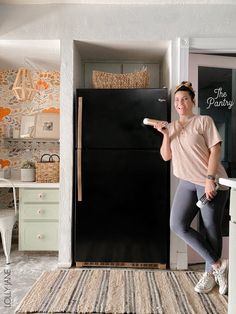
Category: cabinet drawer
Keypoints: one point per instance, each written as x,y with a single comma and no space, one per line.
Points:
41,236
40,195
39,211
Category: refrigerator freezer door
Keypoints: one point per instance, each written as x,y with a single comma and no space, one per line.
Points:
113,118
124,215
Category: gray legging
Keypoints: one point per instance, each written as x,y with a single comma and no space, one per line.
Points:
184,210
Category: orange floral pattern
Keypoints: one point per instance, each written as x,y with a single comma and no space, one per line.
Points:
4,112
42,85
4,163
51,110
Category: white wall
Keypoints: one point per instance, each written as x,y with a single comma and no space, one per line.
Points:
108,23
78,69
116,22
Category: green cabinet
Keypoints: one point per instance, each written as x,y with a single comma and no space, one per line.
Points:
38,219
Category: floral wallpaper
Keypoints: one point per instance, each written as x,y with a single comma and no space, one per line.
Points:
46,99
14,152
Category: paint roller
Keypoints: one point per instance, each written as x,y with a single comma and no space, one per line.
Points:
152,122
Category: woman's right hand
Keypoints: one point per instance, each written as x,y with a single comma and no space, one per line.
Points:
161,126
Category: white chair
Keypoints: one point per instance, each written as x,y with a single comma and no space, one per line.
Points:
8,219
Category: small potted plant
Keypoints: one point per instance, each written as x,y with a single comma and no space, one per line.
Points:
28,171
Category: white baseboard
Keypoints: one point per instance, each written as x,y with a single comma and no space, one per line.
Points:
64,265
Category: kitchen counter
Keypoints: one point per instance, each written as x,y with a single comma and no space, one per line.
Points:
230,182
23,184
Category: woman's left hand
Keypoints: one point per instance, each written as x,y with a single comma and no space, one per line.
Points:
210,189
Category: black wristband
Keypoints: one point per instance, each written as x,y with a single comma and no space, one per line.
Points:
210,177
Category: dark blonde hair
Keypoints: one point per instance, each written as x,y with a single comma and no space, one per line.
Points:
187,87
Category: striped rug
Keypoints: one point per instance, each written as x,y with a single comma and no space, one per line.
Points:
120,291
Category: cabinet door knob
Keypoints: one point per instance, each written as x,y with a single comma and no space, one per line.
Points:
41,195
40,211
40,236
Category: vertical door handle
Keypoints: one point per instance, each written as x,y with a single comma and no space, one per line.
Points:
79,150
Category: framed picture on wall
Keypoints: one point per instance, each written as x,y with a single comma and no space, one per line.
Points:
47,125
27,126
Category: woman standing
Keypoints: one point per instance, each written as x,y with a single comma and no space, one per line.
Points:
193,144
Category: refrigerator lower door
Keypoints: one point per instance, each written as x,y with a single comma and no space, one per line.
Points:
124,213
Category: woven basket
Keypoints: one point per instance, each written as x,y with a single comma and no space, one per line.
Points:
113,80
47,171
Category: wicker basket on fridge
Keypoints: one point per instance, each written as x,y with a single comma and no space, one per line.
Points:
139,79
47,171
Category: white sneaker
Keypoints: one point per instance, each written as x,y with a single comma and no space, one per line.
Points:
221,277
206,283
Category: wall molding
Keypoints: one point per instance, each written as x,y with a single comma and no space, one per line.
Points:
213,45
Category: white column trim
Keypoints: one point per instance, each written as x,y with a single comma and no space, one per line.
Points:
180,72
66,154
183,58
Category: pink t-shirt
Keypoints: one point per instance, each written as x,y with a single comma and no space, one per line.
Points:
190,148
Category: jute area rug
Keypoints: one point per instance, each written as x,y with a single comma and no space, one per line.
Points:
120,291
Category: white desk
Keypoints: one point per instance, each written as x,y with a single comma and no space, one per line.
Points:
21,184
231,182
38,215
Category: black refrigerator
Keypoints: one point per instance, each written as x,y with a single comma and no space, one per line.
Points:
121,183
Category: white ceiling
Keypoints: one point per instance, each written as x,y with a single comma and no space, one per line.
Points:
34,54
45,54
